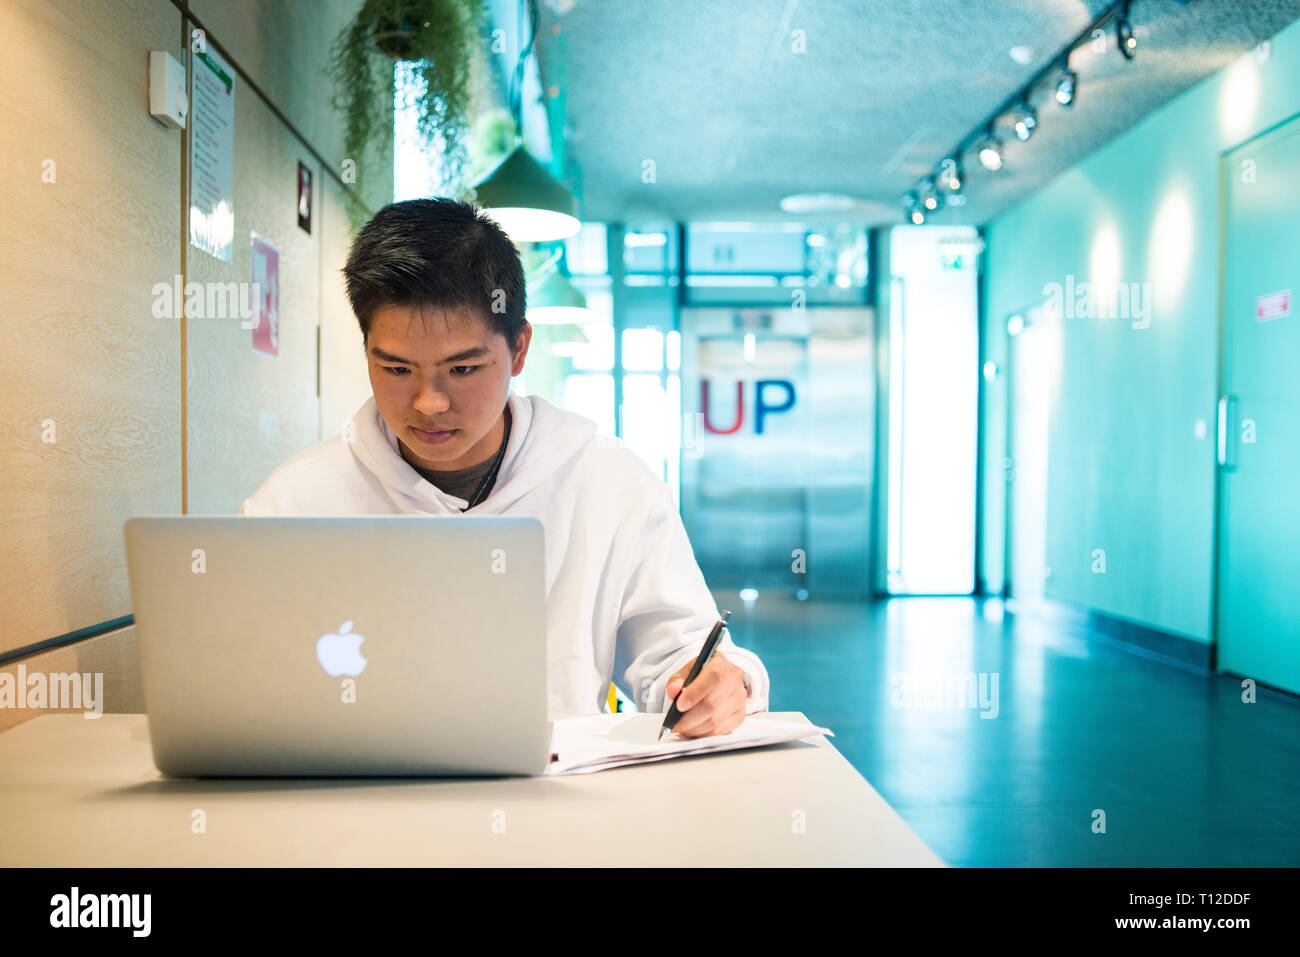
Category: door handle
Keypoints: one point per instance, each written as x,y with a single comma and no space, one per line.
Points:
1225,424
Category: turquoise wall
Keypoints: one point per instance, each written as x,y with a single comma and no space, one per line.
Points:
1127,473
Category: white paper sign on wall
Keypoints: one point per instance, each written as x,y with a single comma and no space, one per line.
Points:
1273,305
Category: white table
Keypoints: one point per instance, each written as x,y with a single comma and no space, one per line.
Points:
85,793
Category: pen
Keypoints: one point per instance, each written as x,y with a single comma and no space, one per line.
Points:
710,644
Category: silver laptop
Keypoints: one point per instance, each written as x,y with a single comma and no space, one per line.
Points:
360,646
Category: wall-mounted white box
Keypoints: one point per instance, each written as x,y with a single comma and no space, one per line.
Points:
168,102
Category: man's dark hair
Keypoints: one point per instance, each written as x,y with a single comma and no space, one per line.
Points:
437,253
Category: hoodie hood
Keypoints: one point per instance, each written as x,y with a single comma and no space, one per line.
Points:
543,439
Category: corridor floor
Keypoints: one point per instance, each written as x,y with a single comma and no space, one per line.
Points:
1184,772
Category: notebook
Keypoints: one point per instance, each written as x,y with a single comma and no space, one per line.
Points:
598,742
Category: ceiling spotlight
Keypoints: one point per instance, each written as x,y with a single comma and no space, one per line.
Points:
914,211
991,154
929,198
1026,120
1066,84
1124,32
1127,41
950,175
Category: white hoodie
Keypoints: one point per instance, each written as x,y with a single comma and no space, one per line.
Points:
625,599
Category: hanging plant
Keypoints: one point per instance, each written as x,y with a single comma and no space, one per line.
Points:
438,36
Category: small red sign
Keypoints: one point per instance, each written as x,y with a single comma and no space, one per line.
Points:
1274,305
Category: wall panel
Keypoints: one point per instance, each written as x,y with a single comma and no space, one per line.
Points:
82,357
247,411
345,381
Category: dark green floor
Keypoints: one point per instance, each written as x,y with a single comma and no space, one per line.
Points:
1187,775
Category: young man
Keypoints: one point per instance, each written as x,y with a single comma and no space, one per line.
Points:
438,289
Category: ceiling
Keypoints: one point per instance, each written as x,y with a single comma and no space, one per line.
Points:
733,119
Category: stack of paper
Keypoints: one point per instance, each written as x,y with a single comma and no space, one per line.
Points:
598,742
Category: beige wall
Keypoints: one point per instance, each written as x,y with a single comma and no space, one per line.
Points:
345,381
91,387
109,412
245,411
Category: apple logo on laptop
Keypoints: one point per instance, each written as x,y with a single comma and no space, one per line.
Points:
341,654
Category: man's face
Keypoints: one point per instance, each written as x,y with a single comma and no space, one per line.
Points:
448,374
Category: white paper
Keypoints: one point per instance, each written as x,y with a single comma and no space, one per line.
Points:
212,153
598,742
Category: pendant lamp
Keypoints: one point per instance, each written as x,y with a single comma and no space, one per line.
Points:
530,204
553,300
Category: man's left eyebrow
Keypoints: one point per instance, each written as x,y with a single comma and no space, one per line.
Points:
389,357
474,353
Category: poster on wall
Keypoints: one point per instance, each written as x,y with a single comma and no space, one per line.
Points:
266,297
212,151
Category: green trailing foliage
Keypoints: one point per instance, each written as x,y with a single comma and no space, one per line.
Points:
438,35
